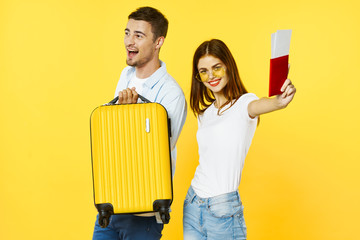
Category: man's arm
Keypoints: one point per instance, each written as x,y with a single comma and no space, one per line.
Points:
176,108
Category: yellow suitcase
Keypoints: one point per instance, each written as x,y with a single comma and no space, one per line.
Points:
131,161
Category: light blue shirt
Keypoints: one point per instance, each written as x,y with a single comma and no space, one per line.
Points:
161,88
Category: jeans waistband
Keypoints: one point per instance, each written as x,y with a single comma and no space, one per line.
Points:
226,197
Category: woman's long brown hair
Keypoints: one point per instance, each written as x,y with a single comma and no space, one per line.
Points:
201,97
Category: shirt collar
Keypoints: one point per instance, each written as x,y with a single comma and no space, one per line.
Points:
156,76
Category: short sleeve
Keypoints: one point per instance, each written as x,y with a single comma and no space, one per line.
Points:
242,105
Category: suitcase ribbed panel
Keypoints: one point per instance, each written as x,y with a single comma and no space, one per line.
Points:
131,167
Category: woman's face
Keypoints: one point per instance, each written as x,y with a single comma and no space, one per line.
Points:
212,72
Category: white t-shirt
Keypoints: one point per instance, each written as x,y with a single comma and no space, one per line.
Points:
223,144
137,83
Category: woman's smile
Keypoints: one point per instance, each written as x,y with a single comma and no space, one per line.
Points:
214,82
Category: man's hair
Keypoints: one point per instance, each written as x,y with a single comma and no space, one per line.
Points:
159,24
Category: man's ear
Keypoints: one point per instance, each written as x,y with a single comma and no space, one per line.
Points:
159,42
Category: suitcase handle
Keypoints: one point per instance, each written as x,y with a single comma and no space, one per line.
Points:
112,102
117,98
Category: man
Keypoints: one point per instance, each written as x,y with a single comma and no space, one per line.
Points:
146,75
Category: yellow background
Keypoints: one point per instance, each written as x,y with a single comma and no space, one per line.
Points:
60,59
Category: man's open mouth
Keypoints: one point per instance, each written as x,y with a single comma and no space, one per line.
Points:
132,54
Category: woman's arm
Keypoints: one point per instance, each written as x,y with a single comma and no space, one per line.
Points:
266,105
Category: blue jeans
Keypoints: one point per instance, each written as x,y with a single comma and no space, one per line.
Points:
219,217
128,226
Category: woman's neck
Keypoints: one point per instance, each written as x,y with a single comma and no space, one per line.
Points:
219,99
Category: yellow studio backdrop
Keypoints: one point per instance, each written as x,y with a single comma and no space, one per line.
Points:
60,59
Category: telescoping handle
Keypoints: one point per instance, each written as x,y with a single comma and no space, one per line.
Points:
112,102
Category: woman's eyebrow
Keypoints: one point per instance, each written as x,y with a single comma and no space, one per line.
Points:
215,65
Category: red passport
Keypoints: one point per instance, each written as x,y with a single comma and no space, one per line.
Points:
278,74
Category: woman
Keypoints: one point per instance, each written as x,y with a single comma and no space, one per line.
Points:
227,119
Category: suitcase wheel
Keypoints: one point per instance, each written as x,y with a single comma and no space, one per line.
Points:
104,222
105,211
163,206
165,217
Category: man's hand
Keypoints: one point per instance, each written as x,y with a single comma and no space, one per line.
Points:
128,96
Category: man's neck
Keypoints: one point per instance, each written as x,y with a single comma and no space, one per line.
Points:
148,69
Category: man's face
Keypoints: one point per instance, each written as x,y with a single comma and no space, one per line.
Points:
139,43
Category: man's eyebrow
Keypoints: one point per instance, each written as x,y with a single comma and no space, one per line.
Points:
140,32
136,32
